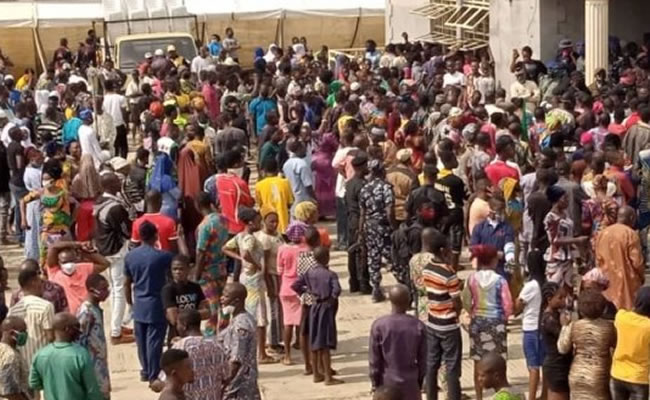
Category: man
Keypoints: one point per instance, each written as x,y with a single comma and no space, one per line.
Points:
5,192
14,370
533,68
299,173
64,369
112,231
525,89
357,268
404,181
274,191
344,172
176,59
619,256
211,271
146,269
115,106
637,137
52,292
178,369
17,163
207,356
37,313
240,344
181,294
88,139
427,193
574,192
502,166
273,135
202,62
229,136
231,44
233,191
258,109
70,269
167,234
453,188
398,348
92,337
444,340
495,231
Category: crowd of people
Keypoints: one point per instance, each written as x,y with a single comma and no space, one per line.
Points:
414,151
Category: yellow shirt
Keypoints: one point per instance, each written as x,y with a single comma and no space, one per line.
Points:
631,361
276,192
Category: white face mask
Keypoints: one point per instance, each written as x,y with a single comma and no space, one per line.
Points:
228,310
47,183
68,268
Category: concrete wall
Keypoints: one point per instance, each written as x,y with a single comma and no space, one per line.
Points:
560,19
513,24
399,19
627,19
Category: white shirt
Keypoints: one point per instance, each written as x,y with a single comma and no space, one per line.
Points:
6,140
90,145
453,79
339,156
531,294
113,105
199,64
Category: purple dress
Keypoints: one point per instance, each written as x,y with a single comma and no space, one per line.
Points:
325,175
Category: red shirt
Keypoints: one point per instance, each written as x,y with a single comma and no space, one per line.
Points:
632,120
73,285
233,192
166,229
498,170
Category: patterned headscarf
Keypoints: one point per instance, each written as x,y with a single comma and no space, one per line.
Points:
296,231
596,275
266,210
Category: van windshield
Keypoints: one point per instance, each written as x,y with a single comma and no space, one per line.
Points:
132,51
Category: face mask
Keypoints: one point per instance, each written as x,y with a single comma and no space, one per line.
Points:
101,294
48,183
69,268
20,338
228,310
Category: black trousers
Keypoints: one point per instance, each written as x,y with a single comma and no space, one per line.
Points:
628,391
121,143
357,267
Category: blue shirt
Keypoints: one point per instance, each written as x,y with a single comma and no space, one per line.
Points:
259,107
148,269
71,130
497,236
214,48
299,175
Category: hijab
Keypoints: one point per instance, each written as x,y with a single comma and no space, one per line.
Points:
161,176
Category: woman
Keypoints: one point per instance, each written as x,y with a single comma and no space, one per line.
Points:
591,341
486,297
32,178
163,182
599,211
307,213
596,280
56,217
190,184
325,175
86,187
630,361
559,229
287,264
556,365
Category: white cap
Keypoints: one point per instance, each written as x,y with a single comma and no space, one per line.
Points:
54,93
118,163
9,77
159,52
230,62
171,47
148,55
3,114
355,86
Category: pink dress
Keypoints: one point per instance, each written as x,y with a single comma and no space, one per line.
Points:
288,271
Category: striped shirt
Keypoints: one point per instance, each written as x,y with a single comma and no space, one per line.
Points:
442,286
38,315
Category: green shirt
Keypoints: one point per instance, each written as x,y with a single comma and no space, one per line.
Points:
507,394
269,150
64,371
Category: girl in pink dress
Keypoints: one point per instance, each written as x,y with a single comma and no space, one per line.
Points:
288,270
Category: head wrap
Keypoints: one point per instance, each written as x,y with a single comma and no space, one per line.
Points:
596,275
305,211
554,193
86,185
156,109
508,186
161,176
328,144
266,210
85,114
484,253
404,155
296,231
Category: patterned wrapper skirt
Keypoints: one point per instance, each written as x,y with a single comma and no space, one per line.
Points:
487,335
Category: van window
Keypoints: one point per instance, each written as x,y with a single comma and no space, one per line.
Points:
132,51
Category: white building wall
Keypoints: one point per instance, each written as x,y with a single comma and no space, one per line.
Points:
399,19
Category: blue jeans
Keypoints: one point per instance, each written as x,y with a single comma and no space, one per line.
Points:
341,222
149,339
17,194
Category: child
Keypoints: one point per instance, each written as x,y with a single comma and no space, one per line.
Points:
178,369
530,302
323,285
306,262
248,250
182,294
492,375
271,241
